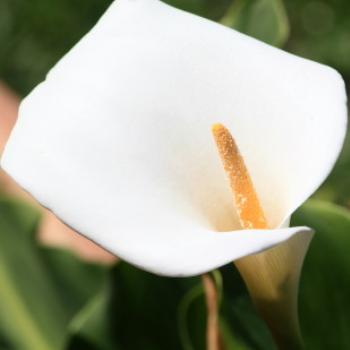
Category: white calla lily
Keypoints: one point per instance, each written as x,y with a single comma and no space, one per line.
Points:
117,140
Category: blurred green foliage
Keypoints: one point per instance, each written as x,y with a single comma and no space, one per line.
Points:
263,19
50,300
35,34
37,296
320,30
325,284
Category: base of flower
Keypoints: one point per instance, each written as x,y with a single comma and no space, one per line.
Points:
272,278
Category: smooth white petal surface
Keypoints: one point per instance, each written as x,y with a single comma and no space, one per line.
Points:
117,140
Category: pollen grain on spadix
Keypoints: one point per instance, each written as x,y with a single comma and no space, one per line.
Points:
249,210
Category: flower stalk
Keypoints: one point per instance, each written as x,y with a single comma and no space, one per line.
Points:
211,298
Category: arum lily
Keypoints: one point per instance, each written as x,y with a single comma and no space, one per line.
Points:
117,140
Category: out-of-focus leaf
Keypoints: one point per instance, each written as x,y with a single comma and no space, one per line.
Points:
321,31
337,187
241,325
263,19
149,304
325,284
141,311
91,328
192,318
35,34
21,215
75,280
206,8
34,311
31,316
138,311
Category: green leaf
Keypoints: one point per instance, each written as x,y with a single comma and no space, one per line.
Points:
263,19
25,294
19,214
337,187
138,311
141,311
242,327
192,316
325,284
321,32
34,288
206,8
75,280
91,328
35,34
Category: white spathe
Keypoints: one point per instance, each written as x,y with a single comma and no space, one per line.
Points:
117,140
